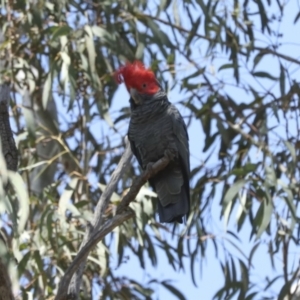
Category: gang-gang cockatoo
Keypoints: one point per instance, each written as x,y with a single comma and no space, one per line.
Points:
156,129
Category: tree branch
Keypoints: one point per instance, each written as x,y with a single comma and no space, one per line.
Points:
278,54
5,284
94,236
97,220
9,148
82,255
10,154
140,181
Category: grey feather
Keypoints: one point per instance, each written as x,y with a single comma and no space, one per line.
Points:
156,126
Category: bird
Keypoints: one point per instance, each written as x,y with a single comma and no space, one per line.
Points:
157,129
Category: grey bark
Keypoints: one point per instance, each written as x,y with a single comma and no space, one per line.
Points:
10,153
5,284
97,220
9,148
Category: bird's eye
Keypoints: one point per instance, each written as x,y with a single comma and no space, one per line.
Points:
144,85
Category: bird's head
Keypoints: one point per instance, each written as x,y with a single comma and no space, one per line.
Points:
140,82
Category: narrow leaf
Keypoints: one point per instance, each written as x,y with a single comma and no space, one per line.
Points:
17,182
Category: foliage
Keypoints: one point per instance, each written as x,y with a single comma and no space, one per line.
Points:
69,131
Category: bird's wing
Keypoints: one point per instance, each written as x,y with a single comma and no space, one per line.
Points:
132,143
135,152
181,139
173,184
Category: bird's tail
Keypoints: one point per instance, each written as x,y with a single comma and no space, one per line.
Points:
173,194
175,212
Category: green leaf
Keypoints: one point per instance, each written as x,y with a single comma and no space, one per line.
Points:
193,31
173,290
252,252
226,66
19,186
101,32
47,90
147,292
164,4
140,50
265,211
248,168
196,74
103,252
3,168
292,150
30,121
244,275
242,207
263,74
38,260
289,199
23,264
90,47
263,15
60,31
258,58
230,196
65,199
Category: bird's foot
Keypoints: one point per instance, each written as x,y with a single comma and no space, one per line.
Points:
170,154
149,167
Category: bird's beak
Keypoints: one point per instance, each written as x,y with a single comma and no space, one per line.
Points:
135,96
